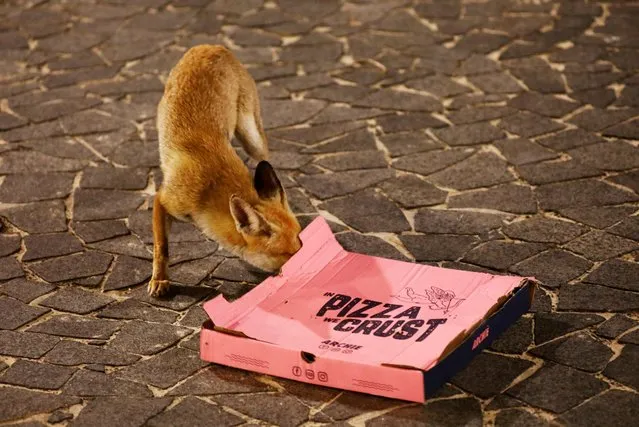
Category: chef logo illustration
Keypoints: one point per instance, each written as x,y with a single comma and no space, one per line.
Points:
436,298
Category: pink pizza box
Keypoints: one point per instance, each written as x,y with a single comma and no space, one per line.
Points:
363,323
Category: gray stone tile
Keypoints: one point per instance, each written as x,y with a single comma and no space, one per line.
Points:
25,290
37,375
75,300
21,403
147,338
549,326
614,407
25,344
128,410
17,313
480,170
541,389
73,353
166,369
447,412
77,327
579,351
489,374
368,211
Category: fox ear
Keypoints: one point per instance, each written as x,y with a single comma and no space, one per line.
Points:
266,183
247,219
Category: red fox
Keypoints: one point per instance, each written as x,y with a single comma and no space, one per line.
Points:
209,96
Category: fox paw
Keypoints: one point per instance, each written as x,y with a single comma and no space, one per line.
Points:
158,288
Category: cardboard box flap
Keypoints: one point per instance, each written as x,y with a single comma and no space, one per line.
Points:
384,311
319,248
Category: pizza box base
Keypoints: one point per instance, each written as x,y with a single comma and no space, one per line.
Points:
362,323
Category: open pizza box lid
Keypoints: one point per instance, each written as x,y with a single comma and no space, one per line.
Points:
362,323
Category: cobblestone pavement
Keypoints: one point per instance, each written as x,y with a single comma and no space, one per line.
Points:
482,135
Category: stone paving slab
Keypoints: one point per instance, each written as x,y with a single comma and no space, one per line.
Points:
486,135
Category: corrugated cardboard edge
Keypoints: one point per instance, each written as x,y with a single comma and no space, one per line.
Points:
463,336
209,323
493,325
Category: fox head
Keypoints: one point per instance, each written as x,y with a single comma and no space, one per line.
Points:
270,229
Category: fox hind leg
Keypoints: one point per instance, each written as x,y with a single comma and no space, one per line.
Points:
250,133
249,128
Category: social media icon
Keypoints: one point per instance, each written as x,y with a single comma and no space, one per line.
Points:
322,376
297,371
310,374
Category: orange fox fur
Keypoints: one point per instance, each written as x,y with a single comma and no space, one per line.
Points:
209,97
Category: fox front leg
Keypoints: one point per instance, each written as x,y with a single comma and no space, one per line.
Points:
159,283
